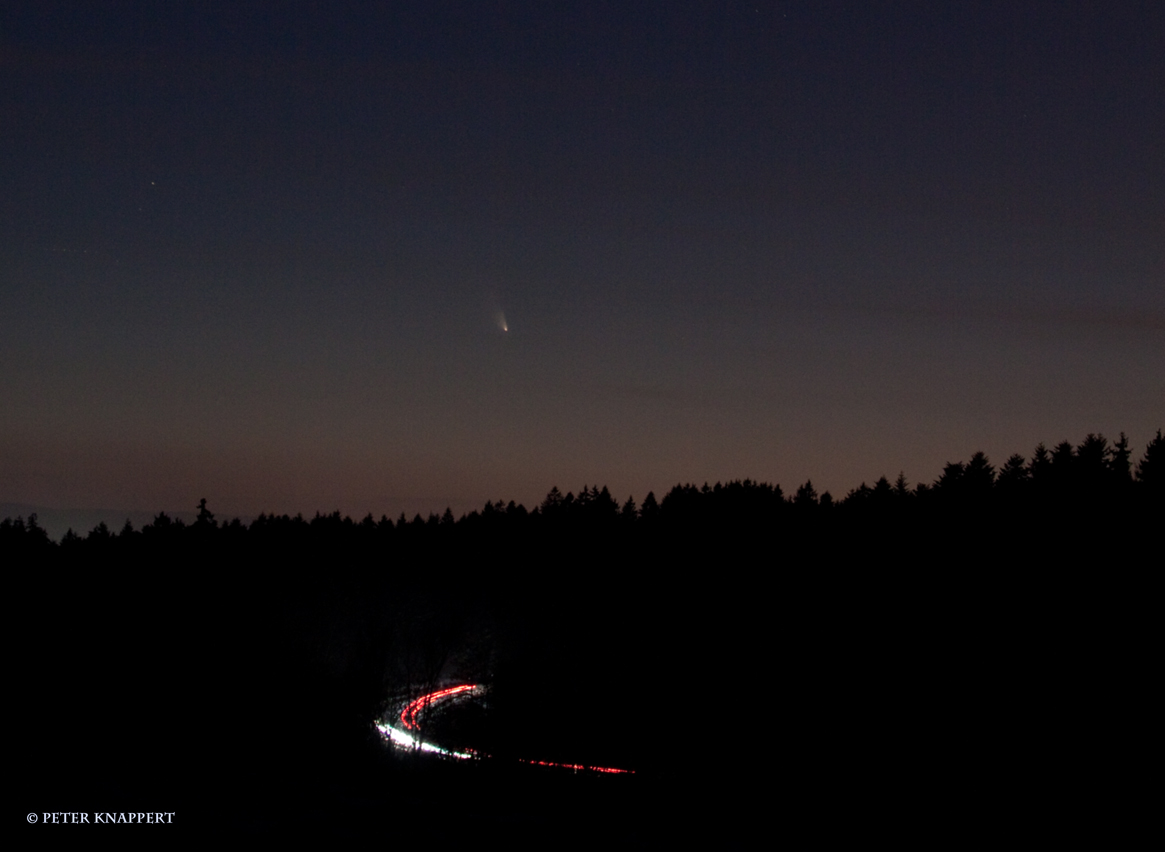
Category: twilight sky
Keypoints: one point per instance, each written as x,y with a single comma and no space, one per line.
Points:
261,256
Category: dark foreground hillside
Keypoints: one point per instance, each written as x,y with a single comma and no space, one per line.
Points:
971,651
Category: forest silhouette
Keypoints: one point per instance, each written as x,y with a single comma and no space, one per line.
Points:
897,638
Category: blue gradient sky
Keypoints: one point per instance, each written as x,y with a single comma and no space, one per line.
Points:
258,256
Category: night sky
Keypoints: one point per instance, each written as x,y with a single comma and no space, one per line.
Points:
390,257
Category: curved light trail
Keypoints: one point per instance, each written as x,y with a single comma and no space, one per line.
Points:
408,716
409,737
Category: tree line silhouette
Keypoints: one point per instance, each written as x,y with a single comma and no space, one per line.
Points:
1064,479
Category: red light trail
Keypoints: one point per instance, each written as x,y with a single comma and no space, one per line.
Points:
408,718
578,766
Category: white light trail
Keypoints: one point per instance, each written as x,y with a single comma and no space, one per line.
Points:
410,739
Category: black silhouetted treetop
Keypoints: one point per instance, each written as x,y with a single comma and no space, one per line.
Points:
806,495
1151,467
205,516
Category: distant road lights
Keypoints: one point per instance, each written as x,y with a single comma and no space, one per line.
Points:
410,739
